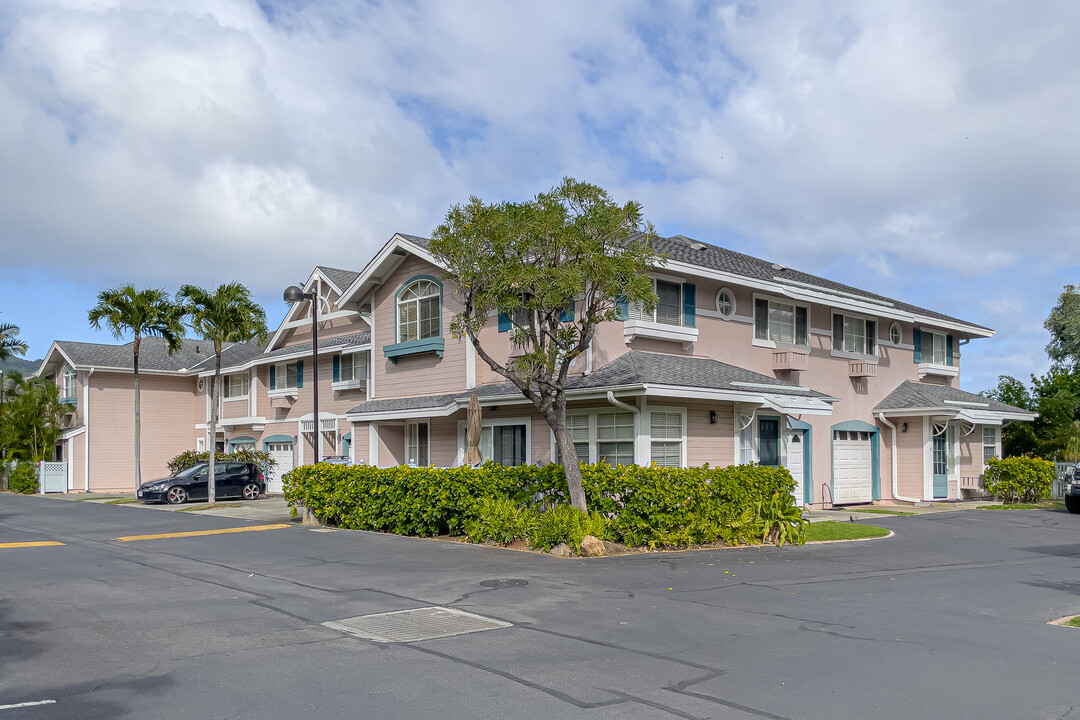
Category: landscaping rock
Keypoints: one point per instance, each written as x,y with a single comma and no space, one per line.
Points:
562,550
309,518
592,546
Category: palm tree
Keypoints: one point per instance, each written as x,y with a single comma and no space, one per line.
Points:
143,313
10,344
227,315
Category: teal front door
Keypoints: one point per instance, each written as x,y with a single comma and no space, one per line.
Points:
941,467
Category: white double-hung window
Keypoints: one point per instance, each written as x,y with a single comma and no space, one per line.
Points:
666,429
234,386
417,450
990,443
854,335
606,437
784,324
353,368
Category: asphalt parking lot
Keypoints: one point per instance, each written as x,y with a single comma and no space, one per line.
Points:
948,619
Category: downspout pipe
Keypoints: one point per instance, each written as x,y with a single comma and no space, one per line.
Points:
86,433
619,403
895,490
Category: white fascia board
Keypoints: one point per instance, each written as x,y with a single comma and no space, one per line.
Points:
45,362
301,322
444,411
994,417
797,405
397,242
268,360
241,421
73,432
679,391
825,298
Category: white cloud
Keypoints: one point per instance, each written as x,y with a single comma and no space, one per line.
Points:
890,144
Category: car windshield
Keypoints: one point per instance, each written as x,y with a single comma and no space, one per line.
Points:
193,471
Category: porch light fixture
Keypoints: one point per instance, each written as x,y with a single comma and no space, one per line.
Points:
293,294
713,419
903,427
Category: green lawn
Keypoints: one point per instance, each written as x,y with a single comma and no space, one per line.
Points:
879,511
832,530
1073,622
1044,505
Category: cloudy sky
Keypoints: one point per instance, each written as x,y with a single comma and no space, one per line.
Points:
926,150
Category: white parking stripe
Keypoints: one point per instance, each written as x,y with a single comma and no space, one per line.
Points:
27,704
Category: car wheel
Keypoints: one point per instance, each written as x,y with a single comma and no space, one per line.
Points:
1072,504
176,495
251,491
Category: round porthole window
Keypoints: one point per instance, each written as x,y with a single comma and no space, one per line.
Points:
725,303
895,334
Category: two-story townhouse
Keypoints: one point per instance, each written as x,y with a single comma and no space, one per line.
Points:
98,436
742,361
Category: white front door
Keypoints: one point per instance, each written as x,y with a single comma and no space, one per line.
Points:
282,452
795,463
852,474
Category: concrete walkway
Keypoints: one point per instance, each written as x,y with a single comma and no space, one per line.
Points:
844,513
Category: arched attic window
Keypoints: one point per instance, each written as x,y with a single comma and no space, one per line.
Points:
419,310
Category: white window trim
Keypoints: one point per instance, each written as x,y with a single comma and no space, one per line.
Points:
495,422
786,301
69,373
853,355
734,304
225,382
648,427
648,324
899,327
398,302
408,428
353,384
293,391
594,453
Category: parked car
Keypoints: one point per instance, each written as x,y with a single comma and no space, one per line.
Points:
1072,489
231,480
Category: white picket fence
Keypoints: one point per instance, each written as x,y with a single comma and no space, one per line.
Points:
52,477
1062,477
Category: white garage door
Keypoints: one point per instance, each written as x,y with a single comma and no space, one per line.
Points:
852,474
283,453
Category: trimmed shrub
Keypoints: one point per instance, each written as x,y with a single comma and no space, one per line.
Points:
24,478
190,458
498,520
637,505
1018,479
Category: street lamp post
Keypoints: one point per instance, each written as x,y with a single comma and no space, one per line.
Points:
293,294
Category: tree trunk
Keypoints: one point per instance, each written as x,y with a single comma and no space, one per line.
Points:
211,490
570,464
138,418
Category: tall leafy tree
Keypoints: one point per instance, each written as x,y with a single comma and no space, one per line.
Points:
556,267
10,344
143,314
1063,324
226,315
30,417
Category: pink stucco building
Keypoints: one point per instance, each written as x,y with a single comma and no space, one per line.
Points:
742,361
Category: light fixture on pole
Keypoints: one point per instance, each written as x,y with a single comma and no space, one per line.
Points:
293,294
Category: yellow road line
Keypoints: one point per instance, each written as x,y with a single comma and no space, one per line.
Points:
199,533
29,544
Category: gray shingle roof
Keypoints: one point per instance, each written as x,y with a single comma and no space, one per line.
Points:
341,278
354,339
633,368
153,355
683,249
714,257
910,395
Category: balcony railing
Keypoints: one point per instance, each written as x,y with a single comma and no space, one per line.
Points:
790,359
326,425
862,368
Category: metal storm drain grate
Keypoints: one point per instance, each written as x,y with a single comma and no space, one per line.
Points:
504,583
414,625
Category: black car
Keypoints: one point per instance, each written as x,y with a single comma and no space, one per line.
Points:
1072,489
231,479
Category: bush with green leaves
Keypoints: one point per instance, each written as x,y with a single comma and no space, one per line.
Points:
499,520
563,524
1018,479
639,505
190,458
781,520
24,478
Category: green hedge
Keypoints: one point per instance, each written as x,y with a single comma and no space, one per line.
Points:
641,505
24,478
1019,479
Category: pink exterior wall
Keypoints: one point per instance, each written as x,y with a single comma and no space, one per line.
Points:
706,442
360,443
170,410
909,457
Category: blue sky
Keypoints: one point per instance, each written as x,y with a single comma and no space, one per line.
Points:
924,150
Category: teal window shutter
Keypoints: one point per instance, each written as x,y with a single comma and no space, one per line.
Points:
761,319
567,315
622,308
948,349
337,368
871,337
273,384
504,323
689,296
838,332
300,373
916,340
